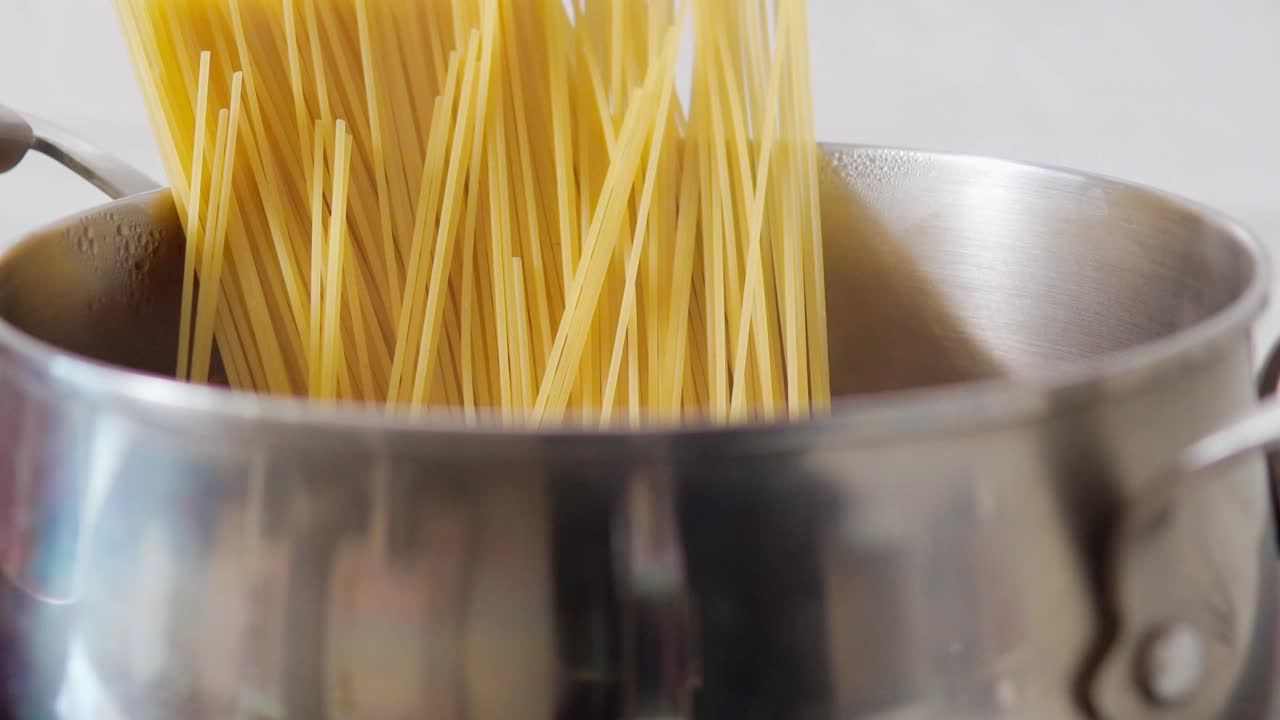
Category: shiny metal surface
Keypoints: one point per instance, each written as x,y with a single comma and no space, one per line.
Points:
1170,601
1173,663
16,138
945,546
19,134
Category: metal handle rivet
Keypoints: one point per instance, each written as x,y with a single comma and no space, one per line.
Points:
1173,664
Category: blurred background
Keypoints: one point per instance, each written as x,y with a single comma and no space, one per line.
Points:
1180,94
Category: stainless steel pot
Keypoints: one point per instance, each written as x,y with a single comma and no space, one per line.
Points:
1087,534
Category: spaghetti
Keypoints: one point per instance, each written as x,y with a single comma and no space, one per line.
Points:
495,207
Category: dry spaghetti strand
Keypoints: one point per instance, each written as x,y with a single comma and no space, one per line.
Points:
495,208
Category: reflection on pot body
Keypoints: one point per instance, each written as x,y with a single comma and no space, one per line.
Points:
434,598
174,553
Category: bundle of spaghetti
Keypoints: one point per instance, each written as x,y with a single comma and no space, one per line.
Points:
491,207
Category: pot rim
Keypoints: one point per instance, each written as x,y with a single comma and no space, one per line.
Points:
896,414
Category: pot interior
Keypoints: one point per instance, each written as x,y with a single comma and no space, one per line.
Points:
940,269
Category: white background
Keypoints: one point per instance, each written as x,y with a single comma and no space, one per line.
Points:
1181,94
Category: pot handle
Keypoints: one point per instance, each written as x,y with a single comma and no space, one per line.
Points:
19,135
1179,580
1269,378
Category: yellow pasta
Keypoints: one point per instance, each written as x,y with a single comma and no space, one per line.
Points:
495,209
210,271
330,311
193,229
